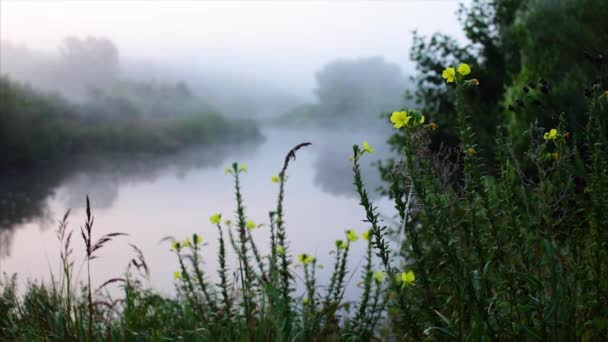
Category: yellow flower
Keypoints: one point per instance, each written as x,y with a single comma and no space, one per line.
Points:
340,244
471,151
228,170
176,245
197,239
215,218
306,301
275,179
365,235
400,119
379,276
551,135
464,69
433,126
449,74
367,148
177,275
187,243
407,278
351,235
305,258
250,224
243,168
280,250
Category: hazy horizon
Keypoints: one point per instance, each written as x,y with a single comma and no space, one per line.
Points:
277,44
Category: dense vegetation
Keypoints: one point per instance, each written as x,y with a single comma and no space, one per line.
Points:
512,44
37,127
501,218
517,256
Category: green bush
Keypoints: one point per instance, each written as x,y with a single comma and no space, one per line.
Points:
517,256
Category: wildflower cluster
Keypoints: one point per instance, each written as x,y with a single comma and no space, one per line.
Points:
555,136
495,233
407,119
450,75
406,278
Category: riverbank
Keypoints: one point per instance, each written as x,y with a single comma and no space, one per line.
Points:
37,127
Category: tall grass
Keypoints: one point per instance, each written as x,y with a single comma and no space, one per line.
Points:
514,253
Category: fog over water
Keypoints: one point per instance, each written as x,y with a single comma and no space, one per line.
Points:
243,60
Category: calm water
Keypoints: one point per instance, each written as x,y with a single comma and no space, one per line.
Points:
151,197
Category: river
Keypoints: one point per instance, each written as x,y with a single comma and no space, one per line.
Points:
152,197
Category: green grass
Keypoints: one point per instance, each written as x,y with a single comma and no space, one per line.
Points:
514,253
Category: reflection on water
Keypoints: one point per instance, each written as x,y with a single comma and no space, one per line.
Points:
150,197
103,178
24,196
333,172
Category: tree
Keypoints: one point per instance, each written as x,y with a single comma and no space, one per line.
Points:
91,62
513,44
361,87
491,53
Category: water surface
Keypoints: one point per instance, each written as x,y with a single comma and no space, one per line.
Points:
151,197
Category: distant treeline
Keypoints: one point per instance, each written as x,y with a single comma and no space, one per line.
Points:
36,126
351,92
82,66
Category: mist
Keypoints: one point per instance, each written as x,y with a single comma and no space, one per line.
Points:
261,58
142,105
303,170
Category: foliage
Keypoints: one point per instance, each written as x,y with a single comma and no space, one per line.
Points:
519,256
37,127
512,45
349,90
567,61
128,100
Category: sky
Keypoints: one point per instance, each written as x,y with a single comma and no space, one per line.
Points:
278,42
